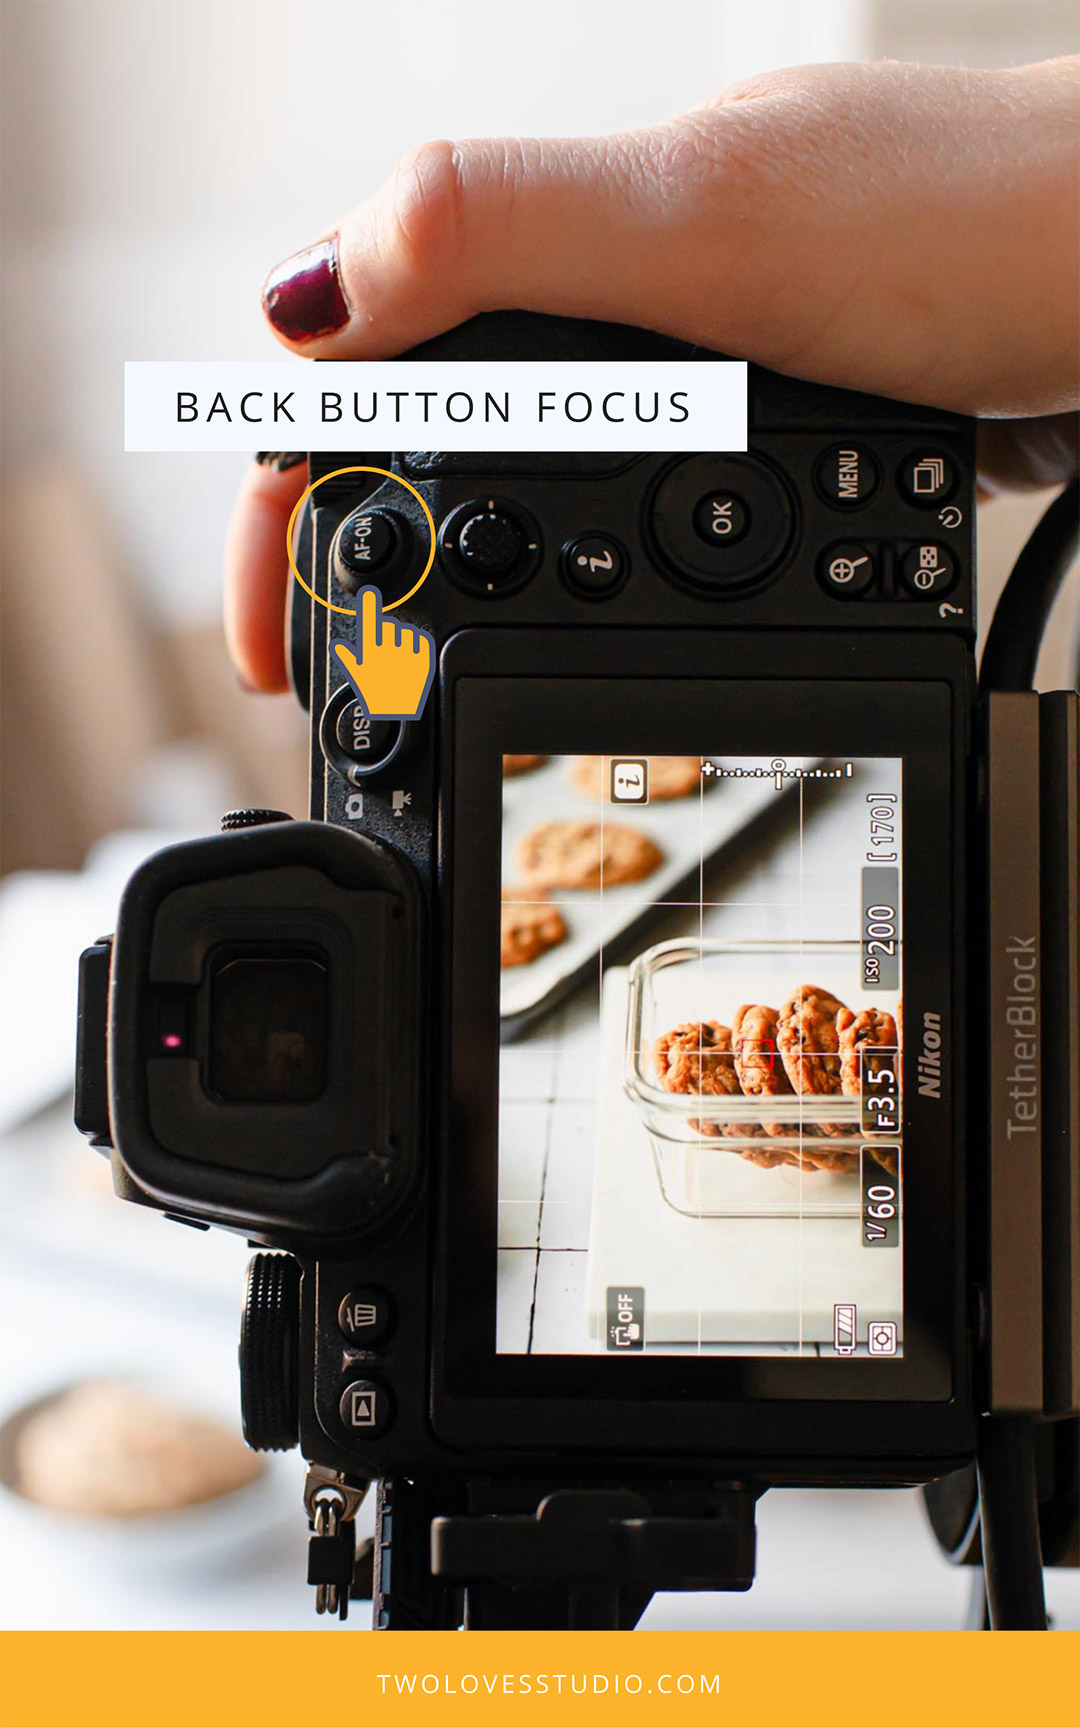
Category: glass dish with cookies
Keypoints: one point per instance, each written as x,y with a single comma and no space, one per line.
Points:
747,1064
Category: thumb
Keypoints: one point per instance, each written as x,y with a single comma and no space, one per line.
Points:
582,227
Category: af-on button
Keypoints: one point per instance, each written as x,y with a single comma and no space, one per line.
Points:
367,541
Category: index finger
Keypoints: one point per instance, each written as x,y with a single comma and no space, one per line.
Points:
257,574
368,619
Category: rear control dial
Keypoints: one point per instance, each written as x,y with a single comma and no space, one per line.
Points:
490,547
721,523
270,1354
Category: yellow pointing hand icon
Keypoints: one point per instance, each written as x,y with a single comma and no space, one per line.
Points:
392,668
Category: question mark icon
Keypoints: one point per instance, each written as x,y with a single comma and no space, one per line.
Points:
945,610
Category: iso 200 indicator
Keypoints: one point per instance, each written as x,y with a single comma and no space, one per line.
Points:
880,1090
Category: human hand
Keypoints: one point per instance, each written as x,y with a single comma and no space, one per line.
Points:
909,231
392,669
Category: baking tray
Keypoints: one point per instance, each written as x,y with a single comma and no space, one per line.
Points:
698,835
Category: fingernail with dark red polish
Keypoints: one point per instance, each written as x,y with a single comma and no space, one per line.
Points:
302,297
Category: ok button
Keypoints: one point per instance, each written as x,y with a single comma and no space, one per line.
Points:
721,518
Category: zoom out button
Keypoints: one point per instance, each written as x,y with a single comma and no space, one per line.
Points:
927,570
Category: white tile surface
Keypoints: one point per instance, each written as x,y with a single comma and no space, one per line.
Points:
560,1301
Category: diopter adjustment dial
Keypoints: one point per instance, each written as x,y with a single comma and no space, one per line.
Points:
235,819
270,1354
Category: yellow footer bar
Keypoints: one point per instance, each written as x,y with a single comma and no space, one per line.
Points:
338,1678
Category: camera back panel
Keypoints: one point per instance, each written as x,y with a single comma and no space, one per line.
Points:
834,556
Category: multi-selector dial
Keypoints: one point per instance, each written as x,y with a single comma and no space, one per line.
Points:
490,547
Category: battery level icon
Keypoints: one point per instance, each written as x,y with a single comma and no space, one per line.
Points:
844,1328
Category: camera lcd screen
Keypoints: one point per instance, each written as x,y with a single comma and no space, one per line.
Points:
700,1143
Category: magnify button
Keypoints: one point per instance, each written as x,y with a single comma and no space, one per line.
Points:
847,569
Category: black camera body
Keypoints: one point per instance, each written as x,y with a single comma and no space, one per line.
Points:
303,1021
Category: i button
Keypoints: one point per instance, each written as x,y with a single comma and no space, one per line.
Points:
927,571
593,565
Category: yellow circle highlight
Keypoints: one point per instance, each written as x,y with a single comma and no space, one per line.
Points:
350,611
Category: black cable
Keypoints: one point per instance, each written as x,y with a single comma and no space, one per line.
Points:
1009,1523
1016,633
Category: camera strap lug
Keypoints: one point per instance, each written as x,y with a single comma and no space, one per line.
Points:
331,1504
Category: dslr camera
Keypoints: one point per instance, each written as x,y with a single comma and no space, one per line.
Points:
651,1076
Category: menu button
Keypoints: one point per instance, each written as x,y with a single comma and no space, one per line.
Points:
846,475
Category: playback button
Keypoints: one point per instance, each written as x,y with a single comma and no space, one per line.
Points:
847,569
366,1409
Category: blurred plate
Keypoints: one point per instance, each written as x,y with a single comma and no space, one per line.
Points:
200,1535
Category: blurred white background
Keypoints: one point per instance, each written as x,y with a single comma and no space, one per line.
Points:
158,158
